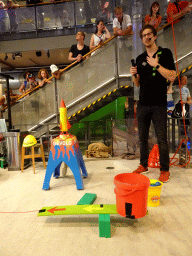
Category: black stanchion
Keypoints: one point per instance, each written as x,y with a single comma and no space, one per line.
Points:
8,99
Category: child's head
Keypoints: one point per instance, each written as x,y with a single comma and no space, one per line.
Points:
31,77
183,80
43,73
54,69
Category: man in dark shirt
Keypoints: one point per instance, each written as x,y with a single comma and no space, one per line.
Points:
153,68
78,50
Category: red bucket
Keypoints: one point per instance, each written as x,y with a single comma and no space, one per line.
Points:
131,194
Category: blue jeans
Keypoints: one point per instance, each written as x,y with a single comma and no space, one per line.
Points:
158,115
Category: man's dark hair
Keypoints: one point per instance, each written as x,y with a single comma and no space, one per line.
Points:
148,26
25,74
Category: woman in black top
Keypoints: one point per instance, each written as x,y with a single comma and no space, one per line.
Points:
78,50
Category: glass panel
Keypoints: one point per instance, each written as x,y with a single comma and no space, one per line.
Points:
81,18
55,16
88,75
25,18
88,12
124,55
34,109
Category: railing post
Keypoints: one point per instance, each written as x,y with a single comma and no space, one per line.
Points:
112,124
56,103
8,104
74,5
8,100
35,20
168,131
173,134
116,62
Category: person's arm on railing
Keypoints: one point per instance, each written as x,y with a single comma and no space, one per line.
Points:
56,74
43,82
122,32
22,88
71,58
171,15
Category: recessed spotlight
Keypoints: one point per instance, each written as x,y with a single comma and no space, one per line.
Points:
18,54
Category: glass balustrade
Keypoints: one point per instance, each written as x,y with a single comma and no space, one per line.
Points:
89,75
85,80
61,15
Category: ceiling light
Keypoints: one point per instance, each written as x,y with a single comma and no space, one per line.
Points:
6,57
18,54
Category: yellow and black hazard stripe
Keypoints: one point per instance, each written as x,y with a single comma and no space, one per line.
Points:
95,103
185,70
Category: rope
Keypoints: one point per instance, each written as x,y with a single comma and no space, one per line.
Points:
21,212
186,138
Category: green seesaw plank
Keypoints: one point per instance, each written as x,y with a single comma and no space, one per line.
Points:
78,209
88,198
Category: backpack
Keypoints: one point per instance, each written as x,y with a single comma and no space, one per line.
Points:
177,112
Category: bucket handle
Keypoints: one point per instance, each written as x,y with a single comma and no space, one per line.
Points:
155,198
132,191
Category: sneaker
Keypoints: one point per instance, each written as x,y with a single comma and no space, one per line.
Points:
141,169
164,176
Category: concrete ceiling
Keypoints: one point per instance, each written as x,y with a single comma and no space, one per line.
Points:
30,59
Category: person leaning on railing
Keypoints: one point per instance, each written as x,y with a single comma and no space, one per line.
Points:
154,18
2,17
78,50
183,108
3,99
177,9
43,75
31,83
122,23
23,86
12,15
55,71
101,34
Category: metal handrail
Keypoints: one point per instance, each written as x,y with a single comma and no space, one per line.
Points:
62,71
39,4
180,15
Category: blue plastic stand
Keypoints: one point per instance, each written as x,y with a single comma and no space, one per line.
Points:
72,157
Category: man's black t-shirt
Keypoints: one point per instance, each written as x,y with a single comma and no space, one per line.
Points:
153,86
76,52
